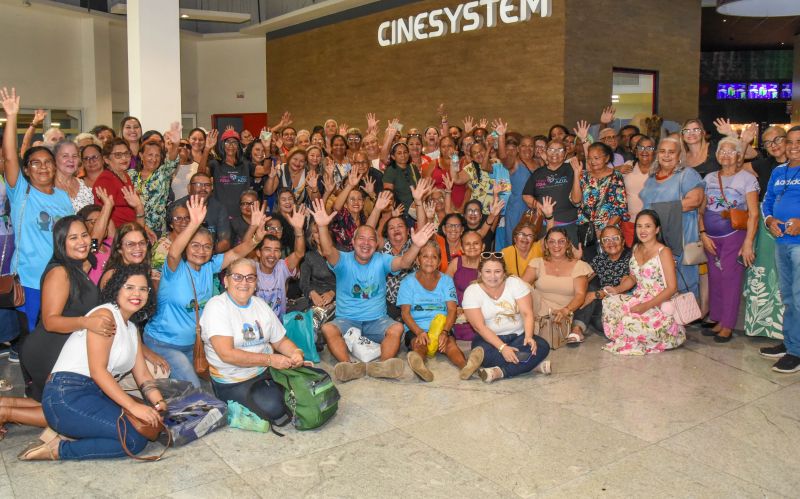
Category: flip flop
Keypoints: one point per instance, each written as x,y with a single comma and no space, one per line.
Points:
5,385
574,340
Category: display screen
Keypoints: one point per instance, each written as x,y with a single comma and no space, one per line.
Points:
731,91
762,91
786,91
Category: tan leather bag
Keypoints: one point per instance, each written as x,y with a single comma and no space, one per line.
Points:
737,217
201,367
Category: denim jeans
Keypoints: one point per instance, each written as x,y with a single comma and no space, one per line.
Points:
9,324
180,359
494,358
259,394
787,260
76,407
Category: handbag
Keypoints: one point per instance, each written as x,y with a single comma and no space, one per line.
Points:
683,307
555,333
201,367
737,216
145,429
11,293
300,330
193,415
694,253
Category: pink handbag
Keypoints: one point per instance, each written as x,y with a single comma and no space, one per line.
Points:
682,307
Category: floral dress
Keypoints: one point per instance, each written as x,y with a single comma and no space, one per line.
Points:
603,199
640,334
154,191
481,184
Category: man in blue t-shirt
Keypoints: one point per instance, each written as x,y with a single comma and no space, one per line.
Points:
781,209
361,296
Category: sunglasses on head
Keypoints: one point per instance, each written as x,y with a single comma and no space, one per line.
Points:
491,254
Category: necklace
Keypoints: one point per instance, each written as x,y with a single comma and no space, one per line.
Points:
664,177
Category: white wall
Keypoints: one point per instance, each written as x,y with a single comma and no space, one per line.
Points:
46,64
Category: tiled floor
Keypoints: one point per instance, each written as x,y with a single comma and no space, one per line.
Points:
706,420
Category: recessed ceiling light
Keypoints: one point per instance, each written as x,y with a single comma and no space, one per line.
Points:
55,124
184,16
724,20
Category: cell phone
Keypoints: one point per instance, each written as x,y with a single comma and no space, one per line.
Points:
523,356
265,135
740,260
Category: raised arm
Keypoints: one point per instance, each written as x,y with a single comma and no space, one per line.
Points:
381,203
353,178
172,140
252,238
576,195
323,219
38,119
211,141
11,107
197,213
418,238
297,220
101,225
388,139
500,128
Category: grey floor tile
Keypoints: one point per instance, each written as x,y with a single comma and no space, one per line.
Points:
229,488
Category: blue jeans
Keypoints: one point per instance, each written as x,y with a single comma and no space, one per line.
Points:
494,358
180,359
76,407
259,394
9,324
787,260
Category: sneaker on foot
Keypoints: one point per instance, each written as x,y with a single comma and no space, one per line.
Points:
543,367
391,368
774,352
787,364
490,374
473,363
346,371
13,355
417,364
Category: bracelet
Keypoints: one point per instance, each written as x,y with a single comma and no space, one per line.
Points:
269,360
549,218
159,403
501,347
702,232
255,239
140,216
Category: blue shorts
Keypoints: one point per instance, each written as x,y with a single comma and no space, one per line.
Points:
374,330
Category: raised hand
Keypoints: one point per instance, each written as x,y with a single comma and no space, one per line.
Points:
483,123
430,209
328,183
420,237
749,133
442,111
174,133
499,126
448,182
724,127
548,206
230,128
38,117
582,130
343,129
102,195
131,197
312,179
496,208
10,101
469,123
607,116
265,142
576,165
286,119
298,218
372,121
211,138
197,209
353,179
398,210
259,219
321,216
383,200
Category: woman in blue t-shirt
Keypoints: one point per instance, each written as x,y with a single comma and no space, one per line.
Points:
187,284
422,296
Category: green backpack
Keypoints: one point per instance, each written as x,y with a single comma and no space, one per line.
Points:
310,395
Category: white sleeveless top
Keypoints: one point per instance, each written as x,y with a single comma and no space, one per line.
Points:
74,356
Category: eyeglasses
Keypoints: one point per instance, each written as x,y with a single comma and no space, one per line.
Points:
354,139
41,165
177,218
557,242
727,152
94,157
491,254
645,148
247,203
360,162
452,226
610,239
231,142
473,211
121,154
201,247
204,185
130,288
687,131
270,228
555,150
185,146
524,235
410,135
134,244
251,278
774,142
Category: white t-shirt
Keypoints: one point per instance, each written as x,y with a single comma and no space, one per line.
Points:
634,183
502,315
252,327
74,356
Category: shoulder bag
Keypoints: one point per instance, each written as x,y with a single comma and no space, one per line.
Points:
201,367
682,307
693,253
555,333
11,293
145,429
737,217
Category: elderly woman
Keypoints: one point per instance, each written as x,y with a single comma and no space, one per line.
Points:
500,309
187,284
641,323
305,184
729,247
92,164
242,338
604,201
675,193
423,295
116,181
610,266
560,281
763,315
35,206
82,399
635,175
67,161
177,223
449,236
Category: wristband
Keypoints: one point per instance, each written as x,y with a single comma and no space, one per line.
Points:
140,216
269,360
255,239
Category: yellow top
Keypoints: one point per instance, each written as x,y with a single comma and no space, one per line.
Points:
515,263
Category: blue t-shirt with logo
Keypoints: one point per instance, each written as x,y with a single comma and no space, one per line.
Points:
361,288
426,304
174,321
33,215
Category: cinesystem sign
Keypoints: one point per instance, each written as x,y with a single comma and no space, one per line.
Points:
468,16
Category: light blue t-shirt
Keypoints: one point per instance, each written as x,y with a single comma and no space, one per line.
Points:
361,289
174,320
34,235
503,182
425,304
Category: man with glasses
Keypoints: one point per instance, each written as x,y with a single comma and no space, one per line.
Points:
609,137
625,135
217,220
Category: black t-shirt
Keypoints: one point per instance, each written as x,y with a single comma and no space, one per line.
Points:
710,164
217,221
763,168
230,182
556,184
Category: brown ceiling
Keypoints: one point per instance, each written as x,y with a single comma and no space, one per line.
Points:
745,33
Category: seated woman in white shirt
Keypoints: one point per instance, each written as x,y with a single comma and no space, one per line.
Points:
243,337
500,309
82,400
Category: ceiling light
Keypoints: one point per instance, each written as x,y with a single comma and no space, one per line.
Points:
724,20
55,124
184,16
758,8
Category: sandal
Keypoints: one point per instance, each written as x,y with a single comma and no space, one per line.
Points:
5,385
3,431
543,367
574,340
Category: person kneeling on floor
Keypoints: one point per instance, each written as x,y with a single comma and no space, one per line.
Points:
427,301
361,296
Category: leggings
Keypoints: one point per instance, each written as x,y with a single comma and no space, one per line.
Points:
259,394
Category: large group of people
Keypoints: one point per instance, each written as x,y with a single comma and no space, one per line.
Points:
127,247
